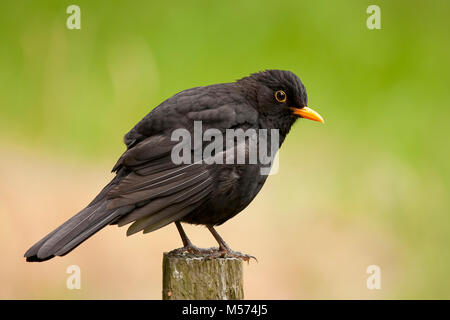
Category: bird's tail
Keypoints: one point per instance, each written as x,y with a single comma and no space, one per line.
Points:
77,229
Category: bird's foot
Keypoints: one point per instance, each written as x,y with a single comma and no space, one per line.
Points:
211,253
227,252
190,248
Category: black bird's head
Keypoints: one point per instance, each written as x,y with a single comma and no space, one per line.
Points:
279,96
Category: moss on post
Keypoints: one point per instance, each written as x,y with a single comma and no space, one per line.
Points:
190,277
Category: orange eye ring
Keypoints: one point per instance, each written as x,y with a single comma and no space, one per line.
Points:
280,95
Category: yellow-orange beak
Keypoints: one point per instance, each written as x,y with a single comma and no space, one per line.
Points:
308,113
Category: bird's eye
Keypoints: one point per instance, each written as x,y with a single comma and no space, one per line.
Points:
280,96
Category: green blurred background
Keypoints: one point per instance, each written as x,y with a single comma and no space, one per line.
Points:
371,186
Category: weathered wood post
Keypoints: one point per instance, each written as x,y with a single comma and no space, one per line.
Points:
190,277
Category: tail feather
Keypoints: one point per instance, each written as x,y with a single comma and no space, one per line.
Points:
87,233
74,231
77,229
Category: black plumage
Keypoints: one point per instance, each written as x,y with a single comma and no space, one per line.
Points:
151,191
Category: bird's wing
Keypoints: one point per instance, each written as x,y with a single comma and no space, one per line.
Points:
161,191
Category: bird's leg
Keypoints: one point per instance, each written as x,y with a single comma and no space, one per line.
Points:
183,235
224,249
187,244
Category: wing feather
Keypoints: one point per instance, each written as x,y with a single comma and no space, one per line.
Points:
160,191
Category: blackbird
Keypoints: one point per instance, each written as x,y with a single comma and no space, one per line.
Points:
152,190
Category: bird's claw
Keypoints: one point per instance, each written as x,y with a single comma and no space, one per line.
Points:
224,252
194,250
211,253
